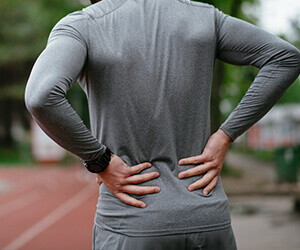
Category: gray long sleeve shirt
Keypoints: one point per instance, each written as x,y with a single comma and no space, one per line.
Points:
146,67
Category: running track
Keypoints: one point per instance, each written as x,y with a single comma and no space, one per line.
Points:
47,208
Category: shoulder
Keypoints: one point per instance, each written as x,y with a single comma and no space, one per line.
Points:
103,8
220,17
205,8
76,18
73,25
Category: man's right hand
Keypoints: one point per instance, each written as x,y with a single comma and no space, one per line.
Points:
121,180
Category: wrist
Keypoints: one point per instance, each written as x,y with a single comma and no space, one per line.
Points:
222,135
99,164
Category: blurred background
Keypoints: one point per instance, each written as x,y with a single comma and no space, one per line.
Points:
43,188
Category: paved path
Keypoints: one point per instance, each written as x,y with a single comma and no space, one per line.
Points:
47,208
265,222
262,210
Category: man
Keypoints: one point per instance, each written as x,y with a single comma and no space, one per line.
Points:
146,67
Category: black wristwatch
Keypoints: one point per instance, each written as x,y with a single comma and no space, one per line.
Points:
100,164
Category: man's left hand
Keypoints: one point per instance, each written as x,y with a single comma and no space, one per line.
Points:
210,161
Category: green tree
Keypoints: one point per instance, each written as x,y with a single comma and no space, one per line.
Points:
24,28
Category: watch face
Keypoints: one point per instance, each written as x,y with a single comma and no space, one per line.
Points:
94,168
100,164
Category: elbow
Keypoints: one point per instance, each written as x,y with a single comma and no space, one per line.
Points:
37,96
287,61
34,101
292,59
295,57
283,54
288,68
294,62
40,97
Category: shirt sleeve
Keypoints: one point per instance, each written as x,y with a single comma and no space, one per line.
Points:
242,43
54,72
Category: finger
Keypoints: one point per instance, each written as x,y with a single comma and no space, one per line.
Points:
195,171
136,179
211,185
207,178
193,160
139,190
129,200
140,167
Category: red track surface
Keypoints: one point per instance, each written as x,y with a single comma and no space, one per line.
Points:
47,208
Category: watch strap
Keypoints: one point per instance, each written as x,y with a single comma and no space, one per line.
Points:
99,164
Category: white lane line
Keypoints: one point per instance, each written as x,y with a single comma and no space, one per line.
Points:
20,202
51,218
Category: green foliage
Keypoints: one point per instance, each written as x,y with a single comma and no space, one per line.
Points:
236,82
25,26
292,95
17,155
24,29
231,7
12,91
262,155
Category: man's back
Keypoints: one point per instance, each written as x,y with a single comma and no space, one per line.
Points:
148,77
146,66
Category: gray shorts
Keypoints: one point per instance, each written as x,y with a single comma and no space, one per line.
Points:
212,240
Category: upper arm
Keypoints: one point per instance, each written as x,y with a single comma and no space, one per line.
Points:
58,66
241,43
